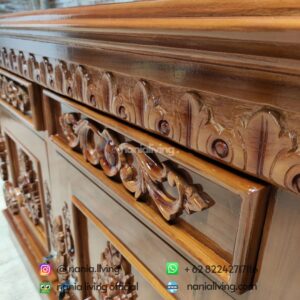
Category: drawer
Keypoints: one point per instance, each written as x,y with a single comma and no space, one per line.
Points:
98,223
22,98
219,121
210,215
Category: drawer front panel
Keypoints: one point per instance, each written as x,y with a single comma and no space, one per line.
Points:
211,215
225,128
22,98
98,218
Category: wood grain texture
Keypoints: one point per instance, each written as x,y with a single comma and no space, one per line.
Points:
158,12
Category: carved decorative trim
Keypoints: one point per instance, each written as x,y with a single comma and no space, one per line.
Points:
49,213
29,186
64,246
13,93
139,173
13,197
117,273
259,145
3,159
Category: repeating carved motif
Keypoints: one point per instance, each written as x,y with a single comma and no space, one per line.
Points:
184,118
64,246
15,94
29,187
117,274
139,173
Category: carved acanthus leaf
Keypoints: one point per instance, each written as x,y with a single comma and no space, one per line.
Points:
140,174
117,275
179,114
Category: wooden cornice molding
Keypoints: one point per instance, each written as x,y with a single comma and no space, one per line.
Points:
273,21
159,9
170,8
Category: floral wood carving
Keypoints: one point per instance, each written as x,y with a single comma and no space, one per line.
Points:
14,94
117,275
140,174
3,159
29,186
13,197
174,112
64,246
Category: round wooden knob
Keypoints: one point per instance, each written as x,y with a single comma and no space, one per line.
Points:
221,148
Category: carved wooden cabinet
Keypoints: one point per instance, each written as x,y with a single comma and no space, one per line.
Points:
137,134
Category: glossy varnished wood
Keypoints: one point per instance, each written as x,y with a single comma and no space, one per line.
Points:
253,199
220,80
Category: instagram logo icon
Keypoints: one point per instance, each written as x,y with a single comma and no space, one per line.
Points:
45,269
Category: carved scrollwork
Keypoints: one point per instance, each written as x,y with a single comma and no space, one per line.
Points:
140,174
14,94
174,112
29,186
117,274
13,197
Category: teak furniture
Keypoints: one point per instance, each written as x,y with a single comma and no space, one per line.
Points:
136,134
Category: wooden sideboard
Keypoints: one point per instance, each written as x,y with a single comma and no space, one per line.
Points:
137,134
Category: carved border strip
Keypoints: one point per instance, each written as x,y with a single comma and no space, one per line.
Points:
139,173
260,145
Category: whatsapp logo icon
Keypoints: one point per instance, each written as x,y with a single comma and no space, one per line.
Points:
172,268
